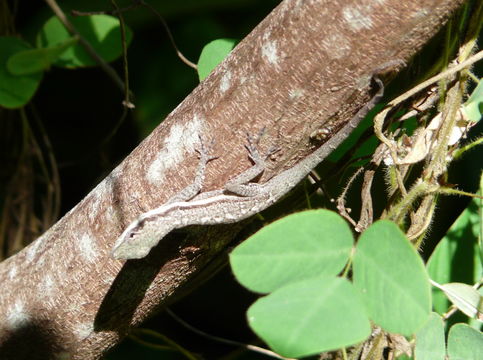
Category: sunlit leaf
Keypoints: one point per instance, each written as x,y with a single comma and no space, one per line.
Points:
310,316
430,344
300,246
212,54
466,298
34,60
392,279
102,32
465,343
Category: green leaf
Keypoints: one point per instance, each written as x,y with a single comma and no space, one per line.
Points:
430,340
212,54
310,316
34,60
299,246
473,107
15,91
101,31
465,343
466,298
457,256
392,279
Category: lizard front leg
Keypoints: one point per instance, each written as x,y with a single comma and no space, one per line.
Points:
193,189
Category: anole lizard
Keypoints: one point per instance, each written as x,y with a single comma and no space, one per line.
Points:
239,199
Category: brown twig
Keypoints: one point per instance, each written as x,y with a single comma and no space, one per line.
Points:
223,340
341,208
168,31
127,102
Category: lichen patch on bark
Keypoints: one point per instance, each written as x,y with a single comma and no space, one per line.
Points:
225,81
358,17
17,316
88,248
182,139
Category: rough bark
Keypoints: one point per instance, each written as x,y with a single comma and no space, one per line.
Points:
305,67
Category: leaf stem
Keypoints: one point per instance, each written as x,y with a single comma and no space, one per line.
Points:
170,35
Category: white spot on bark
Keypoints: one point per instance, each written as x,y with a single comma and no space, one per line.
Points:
294,7
12,272
337,46
114,175
17,316
32,249
225,81
112,213
97,196
94,208
357,17
181,140
88,248
41,261
83,330
75,308
295,93
108,279
421,13
101,192
269,51
47,286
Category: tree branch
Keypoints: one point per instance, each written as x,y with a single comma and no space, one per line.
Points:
305,67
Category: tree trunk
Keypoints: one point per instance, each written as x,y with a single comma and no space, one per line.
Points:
305,67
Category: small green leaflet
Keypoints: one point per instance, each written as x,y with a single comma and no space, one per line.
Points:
212,54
